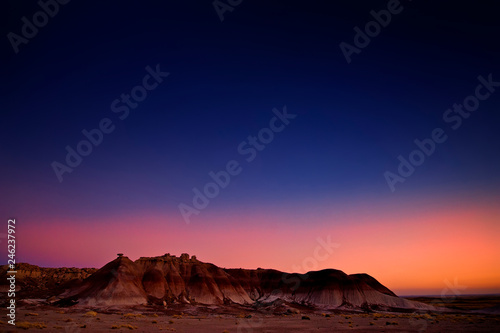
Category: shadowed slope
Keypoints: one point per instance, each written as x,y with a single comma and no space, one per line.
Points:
187,280
117,283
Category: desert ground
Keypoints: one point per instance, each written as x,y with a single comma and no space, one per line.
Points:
36,317
121,297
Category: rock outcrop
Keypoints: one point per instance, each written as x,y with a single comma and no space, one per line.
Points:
40,282
169,279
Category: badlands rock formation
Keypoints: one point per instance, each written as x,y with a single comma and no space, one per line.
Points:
170,279
39,282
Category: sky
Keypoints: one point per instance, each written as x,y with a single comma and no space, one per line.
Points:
251,134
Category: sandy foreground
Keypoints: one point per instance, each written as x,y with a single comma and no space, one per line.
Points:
79,321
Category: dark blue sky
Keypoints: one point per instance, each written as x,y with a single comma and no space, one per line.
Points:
353,120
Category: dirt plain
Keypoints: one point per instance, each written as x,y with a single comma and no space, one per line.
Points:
45,318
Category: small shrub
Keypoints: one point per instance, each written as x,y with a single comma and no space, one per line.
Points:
132,315
27,325
130,327
90,314
306,318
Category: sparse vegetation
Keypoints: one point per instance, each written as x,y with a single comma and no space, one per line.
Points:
90,314
149,321
27,325
133,315
130,327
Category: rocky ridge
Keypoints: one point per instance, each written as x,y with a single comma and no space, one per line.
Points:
169,279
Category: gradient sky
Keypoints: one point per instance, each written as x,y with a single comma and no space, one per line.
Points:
323,175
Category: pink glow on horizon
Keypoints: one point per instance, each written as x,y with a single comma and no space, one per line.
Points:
417,250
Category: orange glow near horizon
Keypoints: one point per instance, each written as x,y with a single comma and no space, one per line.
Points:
424,253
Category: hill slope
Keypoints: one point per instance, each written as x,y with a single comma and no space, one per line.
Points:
170,279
